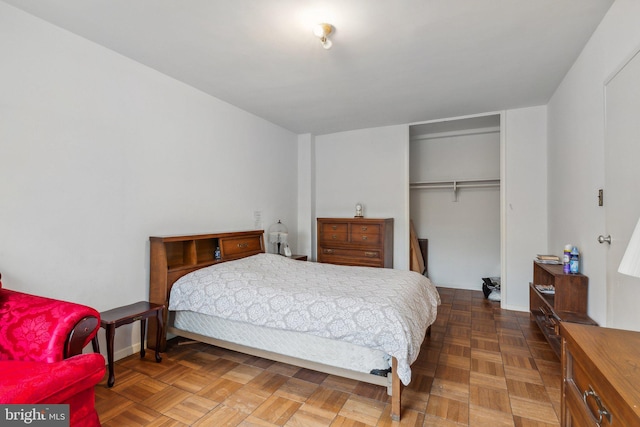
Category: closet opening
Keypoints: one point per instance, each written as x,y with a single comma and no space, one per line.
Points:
454,175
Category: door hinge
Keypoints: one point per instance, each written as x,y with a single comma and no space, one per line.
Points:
600,197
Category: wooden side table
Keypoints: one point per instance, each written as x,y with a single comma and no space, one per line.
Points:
112,319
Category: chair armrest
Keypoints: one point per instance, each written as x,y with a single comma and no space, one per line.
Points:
35,328
37,382
80,335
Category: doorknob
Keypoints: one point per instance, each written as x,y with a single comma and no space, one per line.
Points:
602,239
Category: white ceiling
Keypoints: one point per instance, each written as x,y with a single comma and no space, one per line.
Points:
392,62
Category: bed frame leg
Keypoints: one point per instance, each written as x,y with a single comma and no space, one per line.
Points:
396,388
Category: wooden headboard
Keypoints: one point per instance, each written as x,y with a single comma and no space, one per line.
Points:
172,257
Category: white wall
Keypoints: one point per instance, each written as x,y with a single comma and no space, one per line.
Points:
576,148
369,166
525,194
99,152
463,231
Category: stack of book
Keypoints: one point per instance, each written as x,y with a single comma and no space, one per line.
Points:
548,259
546,289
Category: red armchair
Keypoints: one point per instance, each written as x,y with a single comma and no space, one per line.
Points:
41,360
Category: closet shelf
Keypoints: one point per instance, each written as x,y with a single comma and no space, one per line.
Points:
454,185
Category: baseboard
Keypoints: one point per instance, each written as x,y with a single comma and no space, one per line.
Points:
515,307
123,352
119,354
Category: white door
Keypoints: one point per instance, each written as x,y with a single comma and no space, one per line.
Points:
622,189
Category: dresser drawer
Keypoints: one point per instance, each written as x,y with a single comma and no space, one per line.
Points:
579,414
350,256
334,232
601,381
365,228
368,234
587,402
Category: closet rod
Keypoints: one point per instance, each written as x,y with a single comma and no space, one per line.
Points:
458,133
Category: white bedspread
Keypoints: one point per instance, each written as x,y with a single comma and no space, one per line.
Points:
379,308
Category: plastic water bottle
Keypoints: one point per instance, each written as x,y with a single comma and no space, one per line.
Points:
566,259
574,262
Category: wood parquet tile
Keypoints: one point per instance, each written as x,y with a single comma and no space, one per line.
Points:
481,366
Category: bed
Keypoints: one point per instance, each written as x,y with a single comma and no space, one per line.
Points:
355,322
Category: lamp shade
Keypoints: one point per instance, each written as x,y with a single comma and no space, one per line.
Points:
630,263
278,235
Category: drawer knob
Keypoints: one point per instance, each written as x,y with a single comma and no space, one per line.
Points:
602,411
364,237
328,251
334,227
364,228
371,254
243,245
334,237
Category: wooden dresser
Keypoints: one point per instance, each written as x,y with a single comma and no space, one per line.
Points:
567,304
356,241
601,376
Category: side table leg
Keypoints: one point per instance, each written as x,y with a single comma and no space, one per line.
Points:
143,329
110,334
95,344
159,330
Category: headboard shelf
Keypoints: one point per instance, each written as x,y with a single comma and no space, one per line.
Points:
191,267
171,257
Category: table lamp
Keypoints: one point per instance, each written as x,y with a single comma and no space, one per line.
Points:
278,235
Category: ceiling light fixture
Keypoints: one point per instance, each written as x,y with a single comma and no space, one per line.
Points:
322,31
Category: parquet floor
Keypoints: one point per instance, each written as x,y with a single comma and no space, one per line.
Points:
482,366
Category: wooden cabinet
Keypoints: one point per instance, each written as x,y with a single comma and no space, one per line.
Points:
356,241
171,257
567,304
601,380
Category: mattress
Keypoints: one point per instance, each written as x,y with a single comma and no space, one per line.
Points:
340,354
381,309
